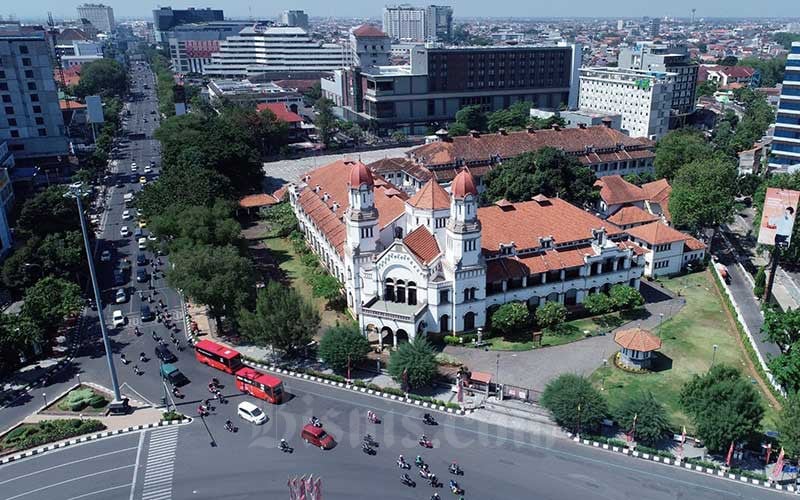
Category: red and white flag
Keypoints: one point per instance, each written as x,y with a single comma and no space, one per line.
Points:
318,489
778,466
769,453
292,492
730,455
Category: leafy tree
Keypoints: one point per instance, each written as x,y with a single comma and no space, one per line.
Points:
547,171
511,317
639,179
343,344
703,194
314,92
786,368
18,337
787,426
104,77
198,225
747,185
598,303
574,403
652,421
625,297
48,212
183,185
456,129
216,276
706,88
416,358
514,117
760,282
679,148
49,301
325,121
282,318
723,406
782,328
771,69
472,117
551,315
728,61
20,270
62,254
281,220
325,286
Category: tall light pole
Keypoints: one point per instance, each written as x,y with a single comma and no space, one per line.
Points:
713,354
77,191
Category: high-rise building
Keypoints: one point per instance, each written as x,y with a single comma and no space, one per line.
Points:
264,48
438,23
294,18
166,18
404,22
620,24
642,98
786,139
649,56
655,27
101,16
191,45
6,198
30,117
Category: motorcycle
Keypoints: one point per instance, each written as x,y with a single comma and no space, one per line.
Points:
428,419
229,426
284,447
407,481
403,464
367,449
426,443
455,469
455,488
177,393
202,411
315,422
372,417
369,441
433,481
419,462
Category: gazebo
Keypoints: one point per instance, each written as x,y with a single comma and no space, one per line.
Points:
637,346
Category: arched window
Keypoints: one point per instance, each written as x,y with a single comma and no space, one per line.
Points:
469,321
388,293
412,293
400,291
444,323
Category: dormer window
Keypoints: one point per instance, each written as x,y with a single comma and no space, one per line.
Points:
546,242
507,248
599,236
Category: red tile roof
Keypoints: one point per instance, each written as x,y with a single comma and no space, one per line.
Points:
422,244
404,165
526,221
281,112
693,244
432,196
658,192
484,147
369,30
615,190
332,179
464,184
631,215
637,339
71,105
657,233
258,200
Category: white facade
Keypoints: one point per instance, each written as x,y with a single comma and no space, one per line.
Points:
642,98
405,23
101,16
260,49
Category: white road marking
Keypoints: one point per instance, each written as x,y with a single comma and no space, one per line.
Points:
70,480
136,465
66,464
100,491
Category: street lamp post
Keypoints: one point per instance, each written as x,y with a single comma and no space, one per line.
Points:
76,191
603,382
714,354
44,396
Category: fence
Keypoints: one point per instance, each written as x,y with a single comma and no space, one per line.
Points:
523,394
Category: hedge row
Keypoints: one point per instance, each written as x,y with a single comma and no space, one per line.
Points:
47,431
172,415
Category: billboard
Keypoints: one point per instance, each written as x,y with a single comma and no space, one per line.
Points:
94,107
777,217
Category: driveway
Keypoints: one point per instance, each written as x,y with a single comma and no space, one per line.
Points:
534,369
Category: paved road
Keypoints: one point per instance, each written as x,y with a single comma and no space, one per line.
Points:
181,463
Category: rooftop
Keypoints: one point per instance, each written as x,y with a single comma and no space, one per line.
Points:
637,339
614,190
432,196
281,112
657,233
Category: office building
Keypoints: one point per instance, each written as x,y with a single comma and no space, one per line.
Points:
651,56
191,45
438,23
404,22
786,138
6,198
101,16
166,18
250,94
262,48
642,98
80,53
439,81
370,47
30,117
437,263
655,27
294,18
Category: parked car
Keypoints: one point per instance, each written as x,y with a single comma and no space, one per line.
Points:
105,256
142,180
250,412
126,215
119,277
148,169
134,168
141,275
118,319
142,243
317,437
164,354
120,296
141,259
124,231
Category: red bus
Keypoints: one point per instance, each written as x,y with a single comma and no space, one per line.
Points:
260,385
218,356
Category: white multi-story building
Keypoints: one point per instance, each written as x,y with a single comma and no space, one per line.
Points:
296,18
404,22
786,139
642,98
436,262
261,48
101,16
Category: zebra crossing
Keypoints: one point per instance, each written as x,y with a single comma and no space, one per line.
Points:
160,464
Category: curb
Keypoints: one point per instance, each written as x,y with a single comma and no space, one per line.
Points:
89,437
684,465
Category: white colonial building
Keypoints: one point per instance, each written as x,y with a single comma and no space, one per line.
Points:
436,262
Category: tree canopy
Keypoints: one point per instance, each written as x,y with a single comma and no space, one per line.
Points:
325,120
417,359
183,185
625,297
678,148
48,212
104,77
511,317
703,193
550,315
49,301
472,117
771,69
343,344
652,421
723,406
189,226
547,171
787,425
598,303
281,318
514,117
574,403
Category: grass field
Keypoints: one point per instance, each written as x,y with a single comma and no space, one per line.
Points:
688,348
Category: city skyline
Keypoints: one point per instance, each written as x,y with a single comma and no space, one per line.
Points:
465,8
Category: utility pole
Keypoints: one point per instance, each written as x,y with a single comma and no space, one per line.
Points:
773,269
77,191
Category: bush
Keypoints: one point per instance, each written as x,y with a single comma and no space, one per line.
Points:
97,401
551,315
625,297
574,402
653,451
413,363
77,406
652,421
702,463
598,303
452,340
48,431
310,261
760,282
342,345
172,415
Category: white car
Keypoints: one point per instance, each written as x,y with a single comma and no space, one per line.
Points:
124,231
134,168
105,256
151,237
148,169
118,319
250,412
126,215
120,296
142,243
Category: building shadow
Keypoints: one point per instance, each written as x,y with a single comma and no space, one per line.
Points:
653,293
660,362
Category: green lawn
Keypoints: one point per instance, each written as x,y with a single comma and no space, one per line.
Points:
289,262
688,339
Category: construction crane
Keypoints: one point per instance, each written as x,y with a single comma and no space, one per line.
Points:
57,58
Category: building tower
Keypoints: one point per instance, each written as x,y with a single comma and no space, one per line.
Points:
363,233
693,12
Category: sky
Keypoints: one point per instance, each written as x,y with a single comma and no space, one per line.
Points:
462,8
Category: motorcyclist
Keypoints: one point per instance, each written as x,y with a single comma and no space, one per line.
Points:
423,438
284,445
366,447
142,357
124,360
418,460
228,425
405,478
454,468
432,479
